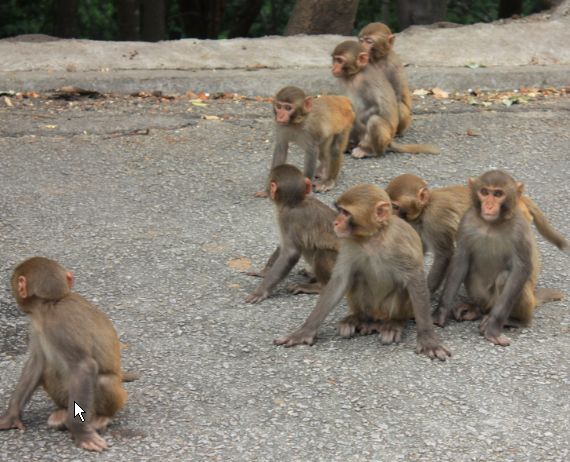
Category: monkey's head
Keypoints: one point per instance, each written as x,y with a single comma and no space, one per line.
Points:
409,195
348,59
288,186
40,278
378,40
291,106
363,211
495,195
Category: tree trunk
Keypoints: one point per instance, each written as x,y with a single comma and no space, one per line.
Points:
66,18
508,8
248,13
153,23
202,18
322,17
128,17
412,12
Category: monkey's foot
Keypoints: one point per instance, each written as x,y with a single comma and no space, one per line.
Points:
493,333
353,323
92,441
257,274
324,186
359,153
100,422
391,332
57,419
466,312
309,288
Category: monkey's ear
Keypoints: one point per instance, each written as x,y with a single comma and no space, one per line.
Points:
520,188
362,59
22,287
308,104
308,186
423,195
391,39
471,182
382,211
69,279
272,189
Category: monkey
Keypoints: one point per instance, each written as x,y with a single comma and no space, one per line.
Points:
374,101
496,259
320,126
74,353
378,40
435,215
380,268
306,229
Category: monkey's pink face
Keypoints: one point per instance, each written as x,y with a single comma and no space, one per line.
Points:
337,68
283,112
343,223
492,200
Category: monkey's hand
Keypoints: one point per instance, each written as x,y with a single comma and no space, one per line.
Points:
301,336
91,441
491,329
323,186
261,194
429,345
257,274
257,296
9,421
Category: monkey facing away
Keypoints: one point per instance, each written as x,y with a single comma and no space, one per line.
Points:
435,214
374,101
320,126
305,228
378,39
497,260
380,268
74,353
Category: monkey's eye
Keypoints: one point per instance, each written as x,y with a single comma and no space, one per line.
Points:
498,193
484,191
395,206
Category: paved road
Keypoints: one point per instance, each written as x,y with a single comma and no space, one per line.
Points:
151,205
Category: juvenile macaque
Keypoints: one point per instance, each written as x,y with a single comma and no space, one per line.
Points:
320,126
74,353
306,229
378,39
497,260
374,101
380,269
435,214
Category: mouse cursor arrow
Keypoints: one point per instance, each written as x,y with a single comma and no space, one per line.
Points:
78,411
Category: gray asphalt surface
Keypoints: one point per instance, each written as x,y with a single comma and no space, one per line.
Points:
159,228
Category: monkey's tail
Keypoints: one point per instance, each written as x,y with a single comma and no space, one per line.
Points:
130,376
544,295
543,226
413,148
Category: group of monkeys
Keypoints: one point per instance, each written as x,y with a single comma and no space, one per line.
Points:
371,249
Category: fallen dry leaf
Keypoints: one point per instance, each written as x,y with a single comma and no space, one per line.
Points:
211,117
8,101
421,92
470,132
439,93
240,263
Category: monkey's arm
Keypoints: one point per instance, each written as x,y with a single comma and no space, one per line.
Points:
428,342
492,325
442,258
29,381
330,297
280,149
310,164
287,258
267,266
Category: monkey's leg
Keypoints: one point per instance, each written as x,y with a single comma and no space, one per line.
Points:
57,419
521,314
357,322
404,118
110,396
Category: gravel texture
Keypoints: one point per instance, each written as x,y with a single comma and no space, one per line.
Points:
152,207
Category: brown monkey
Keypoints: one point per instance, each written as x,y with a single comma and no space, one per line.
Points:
380,267
306,229
435,215
374,101
321,126
497,260
378,39
74,353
